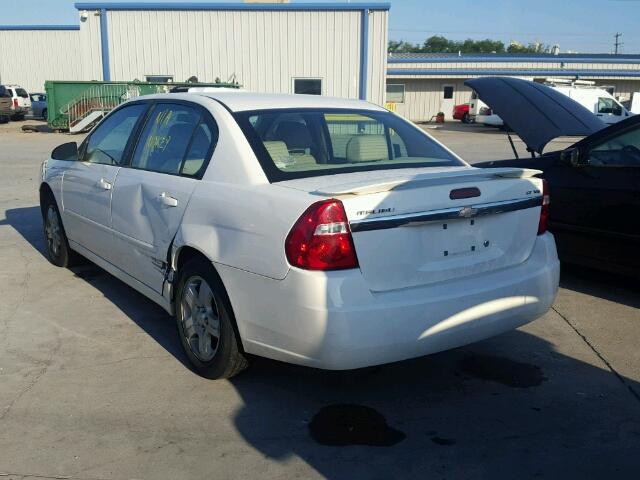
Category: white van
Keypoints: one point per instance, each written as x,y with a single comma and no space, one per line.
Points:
598,101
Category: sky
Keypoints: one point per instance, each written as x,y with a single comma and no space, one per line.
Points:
585,26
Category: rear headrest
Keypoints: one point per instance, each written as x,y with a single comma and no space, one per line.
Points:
367,148
294,134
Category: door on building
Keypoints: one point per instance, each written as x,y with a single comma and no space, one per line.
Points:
447,102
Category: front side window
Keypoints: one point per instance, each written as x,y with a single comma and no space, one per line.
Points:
307,86
174,138
620,151
395,93
108,142
609,105
308,142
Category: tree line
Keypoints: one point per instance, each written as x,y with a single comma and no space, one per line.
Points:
440,44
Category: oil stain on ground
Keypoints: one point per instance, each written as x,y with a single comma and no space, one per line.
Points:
503,370
341,425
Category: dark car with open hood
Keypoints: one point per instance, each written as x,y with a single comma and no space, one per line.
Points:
594,184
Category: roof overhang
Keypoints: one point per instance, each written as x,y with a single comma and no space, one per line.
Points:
234,6
38,27
507,72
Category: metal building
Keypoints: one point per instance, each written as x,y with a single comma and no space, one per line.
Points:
421,85
336,49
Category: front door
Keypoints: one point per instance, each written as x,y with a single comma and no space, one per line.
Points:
447,103
88,184
150,195
595,205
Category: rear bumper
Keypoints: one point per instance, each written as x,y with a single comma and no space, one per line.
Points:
332,321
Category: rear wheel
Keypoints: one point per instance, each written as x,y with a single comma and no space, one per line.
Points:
465,118
205,322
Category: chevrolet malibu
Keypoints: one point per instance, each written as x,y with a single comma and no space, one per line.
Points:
323,232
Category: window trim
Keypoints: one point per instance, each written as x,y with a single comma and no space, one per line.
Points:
205,116
293,84
274,174
82,151
404,92
453,91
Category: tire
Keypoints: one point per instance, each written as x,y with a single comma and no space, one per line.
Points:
44,114
465,118
205,322
58,251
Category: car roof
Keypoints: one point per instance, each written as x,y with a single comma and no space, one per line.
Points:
245,101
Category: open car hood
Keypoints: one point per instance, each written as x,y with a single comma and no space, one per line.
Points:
537,113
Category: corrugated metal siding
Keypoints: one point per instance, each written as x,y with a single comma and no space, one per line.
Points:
29,57
265,50
51,55
423,98
378,40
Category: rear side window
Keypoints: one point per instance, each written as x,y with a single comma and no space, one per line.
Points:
175,140
307,142
108,141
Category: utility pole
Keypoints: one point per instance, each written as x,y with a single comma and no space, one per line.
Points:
617,43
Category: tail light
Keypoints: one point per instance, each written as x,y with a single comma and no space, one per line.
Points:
321,239
15,103
544,211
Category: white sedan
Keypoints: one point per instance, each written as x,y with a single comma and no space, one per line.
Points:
318,231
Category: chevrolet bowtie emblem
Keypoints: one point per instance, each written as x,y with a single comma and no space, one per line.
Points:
467,212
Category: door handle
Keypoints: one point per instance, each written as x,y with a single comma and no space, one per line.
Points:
103,184
168,200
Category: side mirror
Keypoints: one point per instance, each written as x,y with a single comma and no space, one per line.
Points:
66,151
573,157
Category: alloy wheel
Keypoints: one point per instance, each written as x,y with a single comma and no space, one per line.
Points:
200,318
53,231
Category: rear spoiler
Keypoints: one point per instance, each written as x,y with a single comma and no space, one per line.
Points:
427,179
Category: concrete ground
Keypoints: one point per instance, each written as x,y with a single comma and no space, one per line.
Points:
94,385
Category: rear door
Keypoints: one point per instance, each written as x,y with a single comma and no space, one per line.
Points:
150,195
88,183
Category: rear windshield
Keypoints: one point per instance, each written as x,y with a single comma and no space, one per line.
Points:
308,142
21,92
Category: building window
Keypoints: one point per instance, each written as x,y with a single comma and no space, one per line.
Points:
395,92
159,78
447,92
307,86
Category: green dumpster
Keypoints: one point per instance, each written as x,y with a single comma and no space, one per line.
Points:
75,106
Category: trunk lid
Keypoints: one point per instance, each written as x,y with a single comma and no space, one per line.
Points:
536,112
433,225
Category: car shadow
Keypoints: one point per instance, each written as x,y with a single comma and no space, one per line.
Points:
148,315
608,286
507,407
